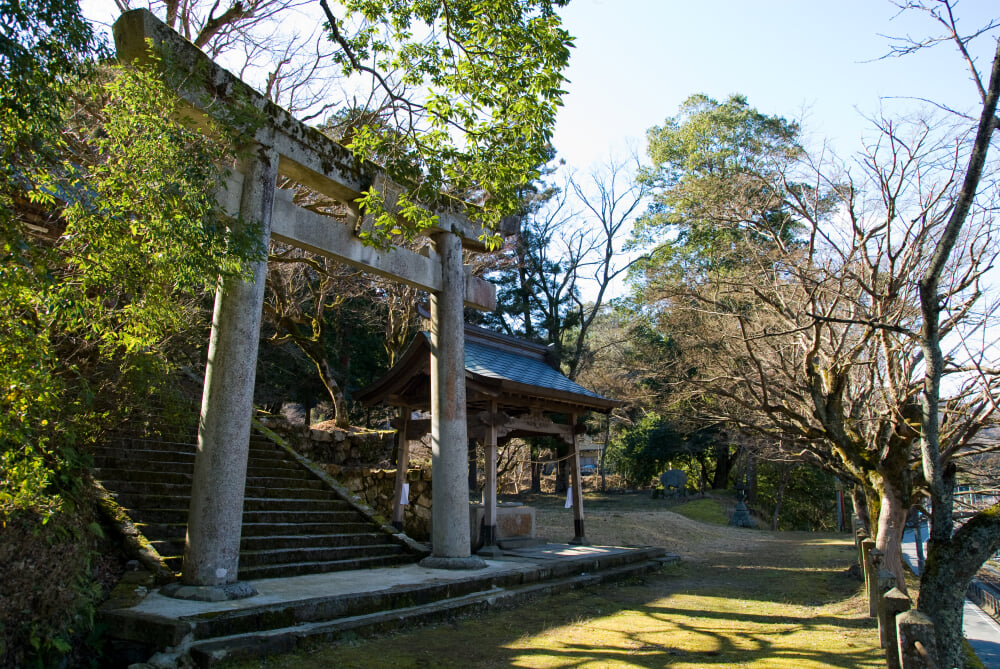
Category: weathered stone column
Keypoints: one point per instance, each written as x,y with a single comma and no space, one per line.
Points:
449,432
212,548
579,536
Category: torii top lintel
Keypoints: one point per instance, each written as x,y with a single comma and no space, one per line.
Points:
306,155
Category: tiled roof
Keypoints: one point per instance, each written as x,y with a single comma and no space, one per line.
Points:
496,363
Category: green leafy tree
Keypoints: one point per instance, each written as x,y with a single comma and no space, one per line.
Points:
713,184
474,86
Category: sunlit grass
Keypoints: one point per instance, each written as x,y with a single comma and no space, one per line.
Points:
741,598
706,510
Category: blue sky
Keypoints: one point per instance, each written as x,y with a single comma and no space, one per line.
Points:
635,61
816,61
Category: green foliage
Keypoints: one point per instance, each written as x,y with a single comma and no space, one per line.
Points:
48,594
489,77
108,239
110,236
41,42
718,179
641,453
807,495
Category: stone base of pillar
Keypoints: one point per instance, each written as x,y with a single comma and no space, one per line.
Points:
490,549
581,537
209,593
398,524
493,552
471,562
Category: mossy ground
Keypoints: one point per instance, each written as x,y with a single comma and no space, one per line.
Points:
741,598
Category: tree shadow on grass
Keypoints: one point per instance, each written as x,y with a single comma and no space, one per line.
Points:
631,625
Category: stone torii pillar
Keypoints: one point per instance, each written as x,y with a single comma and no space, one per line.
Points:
212,547
449,432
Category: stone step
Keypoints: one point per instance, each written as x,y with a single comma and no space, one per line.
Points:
159,460
402,595
135,500
173,545
152,441
322,567
120,458
278,566
330,540
346,516
264,482
157,516
294,504
169,549
293,523
136,476
257,488
285,556
163,531
380,613
280,529
258,536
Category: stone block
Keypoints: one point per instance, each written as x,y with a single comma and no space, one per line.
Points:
892,604
917,640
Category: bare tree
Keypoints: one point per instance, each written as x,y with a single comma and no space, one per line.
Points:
954,556
557,273
263,42
817,344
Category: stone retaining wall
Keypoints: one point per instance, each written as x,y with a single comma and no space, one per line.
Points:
375,487
352,457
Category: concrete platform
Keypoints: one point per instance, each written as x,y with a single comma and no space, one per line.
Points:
324,606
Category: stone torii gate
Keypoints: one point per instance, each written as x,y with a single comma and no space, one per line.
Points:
281,145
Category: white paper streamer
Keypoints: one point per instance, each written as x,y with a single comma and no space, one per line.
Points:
569,497
404,495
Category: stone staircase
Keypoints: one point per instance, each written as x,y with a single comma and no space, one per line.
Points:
293,522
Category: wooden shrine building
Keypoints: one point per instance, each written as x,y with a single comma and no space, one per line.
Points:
513,389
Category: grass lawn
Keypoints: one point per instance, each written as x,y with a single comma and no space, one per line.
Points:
741,598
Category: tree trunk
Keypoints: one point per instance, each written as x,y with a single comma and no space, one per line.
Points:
779,497
332,387
948,570
860,503
723,465
952,560
891,525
